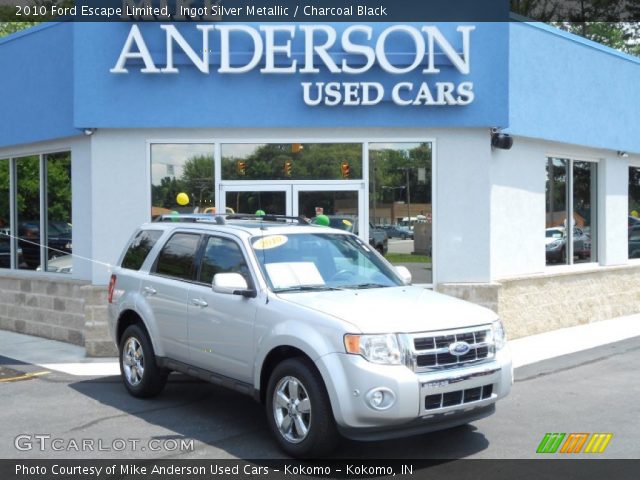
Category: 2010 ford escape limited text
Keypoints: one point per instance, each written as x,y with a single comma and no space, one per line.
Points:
304,318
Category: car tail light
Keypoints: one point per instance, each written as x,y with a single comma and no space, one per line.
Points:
112,286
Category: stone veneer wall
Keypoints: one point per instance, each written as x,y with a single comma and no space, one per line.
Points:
75,312
539,303
59,308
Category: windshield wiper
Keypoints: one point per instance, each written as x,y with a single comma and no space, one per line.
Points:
307,288
365,285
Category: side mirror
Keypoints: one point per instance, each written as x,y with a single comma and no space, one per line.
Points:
404,274
231,284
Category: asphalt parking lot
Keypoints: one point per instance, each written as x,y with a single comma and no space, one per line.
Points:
590,391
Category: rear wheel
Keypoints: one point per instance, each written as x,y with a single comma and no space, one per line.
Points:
140,374
299,411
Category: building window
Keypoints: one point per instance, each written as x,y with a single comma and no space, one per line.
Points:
292,161
400,204
59,227
40,191
570,194
634,212
5,215
182,179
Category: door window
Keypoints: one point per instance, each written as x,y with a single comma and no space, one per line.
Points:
177,256
221,255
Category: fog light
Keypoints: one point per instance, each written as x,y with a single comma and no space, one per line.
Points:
380,398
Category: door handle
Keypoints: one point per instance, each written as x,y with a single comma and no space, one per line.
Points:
150,290
199,303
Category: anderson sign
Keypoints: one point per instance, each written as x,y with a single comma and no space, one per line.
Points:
355,51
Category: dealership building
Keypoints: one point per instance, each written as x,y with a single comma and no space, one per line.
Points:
509,152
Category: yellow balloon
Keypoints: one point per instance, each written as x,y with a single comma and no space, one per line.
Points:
182,199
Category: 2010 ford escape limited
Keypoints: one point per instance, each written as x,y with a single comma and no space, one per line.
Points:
304,318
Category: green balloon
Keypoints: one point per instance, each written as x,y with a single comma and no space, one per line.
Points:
260,213
174,216
322,220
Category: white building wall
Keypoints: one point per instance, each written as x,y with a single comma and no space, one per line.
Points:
613,192
462,247
518,209
518,179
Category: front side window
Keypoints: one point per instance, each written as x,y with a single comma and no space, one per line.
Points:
177,257
221,255
139,248
322,261
571,189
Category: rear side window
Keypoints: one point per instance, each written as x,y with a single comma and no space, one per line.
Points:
139,248
176,258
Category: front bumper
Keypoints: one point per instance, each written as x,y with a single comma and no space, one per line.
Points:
423,401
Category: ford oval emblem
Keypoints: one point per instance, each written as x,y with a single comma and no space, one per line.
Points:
459,348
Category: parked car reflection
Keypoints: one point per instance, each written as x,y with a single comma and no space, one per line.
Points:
634,241
5,250
397,231
555,244
59,241
63,264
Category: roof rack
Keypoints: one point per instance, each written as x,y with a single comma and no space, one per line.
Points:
221,219
190,217
266,218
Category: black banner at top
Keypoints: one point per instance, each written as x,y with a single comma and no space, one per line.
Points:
321,10
257,10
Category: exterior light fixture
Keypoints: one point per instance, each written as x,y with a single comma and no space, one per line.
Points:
502,141
89,131
622,154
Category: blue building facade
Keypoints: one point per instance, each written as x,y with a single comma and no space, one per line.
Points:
387,123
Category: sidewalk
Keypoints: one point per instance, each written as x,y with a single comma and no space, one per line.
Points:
70,359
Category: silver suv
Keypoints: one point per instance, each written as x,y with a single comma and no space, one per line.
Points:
311,321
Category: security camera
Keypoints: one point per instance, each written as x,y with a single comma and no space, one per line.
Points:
501,141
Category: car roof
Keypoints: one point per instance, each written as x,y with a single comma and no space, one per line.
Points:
248,225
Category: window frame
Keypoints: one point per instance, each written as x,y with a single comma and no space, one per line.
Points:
569,208
43,201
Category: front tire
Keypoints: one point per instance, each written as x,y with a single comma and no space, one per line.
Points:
140,374
299,411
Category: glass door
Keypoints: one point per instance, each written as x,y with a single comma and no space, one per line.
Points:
270,199
343,204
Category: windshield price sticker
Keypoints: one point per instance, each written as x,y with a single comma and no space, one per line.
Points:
272,241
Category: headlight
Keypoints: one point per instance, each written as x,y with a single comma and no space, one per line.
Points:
382,349
555,245
499,337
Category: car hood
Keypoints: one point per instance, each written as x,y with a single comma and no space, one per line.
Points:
394,309
548,240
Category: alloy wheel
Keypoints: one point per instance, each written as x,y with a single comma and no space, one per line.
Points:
292,409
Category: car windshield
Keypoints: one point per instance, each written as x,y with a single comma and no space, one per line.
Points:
554,234
320,261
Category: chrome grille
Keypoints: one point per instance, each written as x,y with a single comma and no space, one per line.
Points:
431,349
